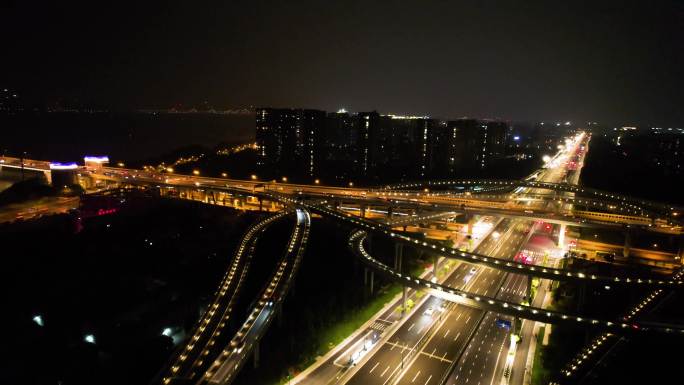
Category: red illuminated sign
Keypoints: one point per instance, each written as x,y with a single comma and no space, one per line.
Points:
106,211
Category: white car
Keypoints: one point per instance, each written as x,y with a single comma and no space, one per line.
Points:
429,311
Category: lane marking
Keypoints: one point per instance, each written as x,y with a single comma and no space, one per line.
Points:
374,366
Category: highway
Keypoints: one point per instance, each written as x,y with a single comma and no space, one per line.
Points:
192,361
336,364
35,209
491,353
446,333
431,352
431,356
246,341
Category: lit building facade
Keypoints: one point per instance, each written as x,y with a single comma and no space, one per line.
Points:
341,146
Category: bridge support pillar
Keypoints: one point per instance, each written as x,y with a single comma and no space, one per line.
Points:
363,211
398,254
261,204
389,212
435,266
279,315
372,275
256,355
628,244
403,300
581,296
517,325
471,221
561,235
365,276
528,290
369,243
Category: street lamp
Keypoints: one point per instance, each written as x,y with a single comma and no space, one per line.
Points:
284,179
351,184
195,172
223,174
254,177
38,320
317,181
89,338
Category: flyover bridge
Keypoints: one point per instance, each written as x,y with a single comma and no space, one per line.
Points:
191,361
635,205
483,260
601,206
500,306
375,228
246,341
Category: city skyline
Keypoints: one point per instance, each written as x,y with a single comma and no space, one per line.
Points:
310,192
617,62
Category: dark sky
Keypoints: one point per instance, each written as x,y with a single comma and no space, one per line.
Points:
608,61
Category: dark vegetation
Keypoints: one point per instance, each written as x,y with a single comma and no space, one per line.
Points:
124,279
35,188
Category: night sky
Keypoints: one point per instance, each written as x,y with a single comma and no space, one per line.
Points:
618,62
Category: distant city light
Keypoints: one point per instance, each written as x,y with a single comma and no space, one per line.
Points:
38,320
96,159
516,138
284,179
341,111
89,338
223,174
167,332
546,158
169,169
254,177
63,166
317,181
196,172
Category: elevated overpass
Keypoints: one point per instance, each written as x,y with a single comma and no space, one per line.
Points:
591,207
191,361
380,229
500,306
246,341
601,206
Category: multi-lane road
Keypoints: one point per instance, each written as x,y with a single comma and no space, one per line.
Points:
441,338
